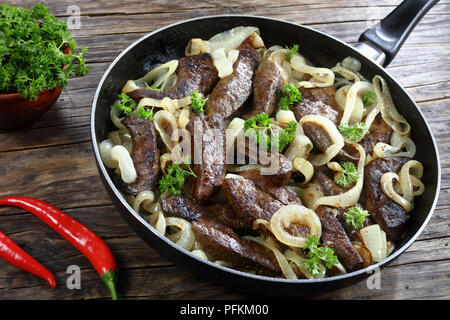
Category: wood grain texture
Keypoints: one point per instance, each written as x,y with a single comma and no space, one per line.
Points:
53,159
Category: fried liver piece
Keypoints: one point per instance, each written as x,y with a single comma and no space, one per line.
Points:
145,155
391,216
209,131
379,131
194,73
191,210
222,243
267,86
281,193
232,91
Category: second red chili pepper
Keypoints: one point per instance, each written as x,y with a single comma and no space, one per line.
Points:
82,238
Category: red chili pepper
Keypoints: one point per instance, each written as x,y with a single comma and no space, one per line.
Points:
12,253
82,238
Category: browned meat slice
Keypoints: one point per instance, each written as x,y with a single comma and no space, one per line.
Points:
249,202
208,136
267,87
379,131
194,73
334,235
276,166
282,193
232,91
145,154
222,243
318,101
182,207
391,216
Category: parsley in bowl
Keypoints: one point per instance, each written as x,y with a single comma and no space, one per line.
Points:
37,58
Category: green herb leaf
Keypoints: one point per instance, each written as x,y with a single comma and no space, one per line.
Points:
354,132
175,178
291,52
125,103
292,95
349,174
147,86
197,103
32,45
355,216
317,255
144,113
287,135
369,97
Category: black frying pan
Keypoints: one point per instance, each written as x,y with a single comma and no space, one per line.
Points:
380,43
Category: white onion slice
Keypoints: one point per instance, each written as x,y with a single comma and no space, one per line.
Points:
187,238
126,166
373,239
296,214
105,148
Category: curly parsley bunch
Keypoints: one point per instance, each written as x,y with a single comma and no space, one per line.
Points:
32,42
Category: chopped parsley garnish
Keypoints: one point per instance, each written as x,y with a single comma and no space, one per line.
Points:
287,135
145,114
369,97
349,174
260,125
32,45
175,178
355,216
291,96
354,132
147,86
125,103
291,52
317,255
197,103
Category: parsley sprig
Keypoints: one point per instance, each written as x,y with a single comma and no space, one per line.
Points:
125,104
291,52
355,216
260,126
197,103
292,95
354,132
175,178
32,45
144,113
317,255
349,174
369,97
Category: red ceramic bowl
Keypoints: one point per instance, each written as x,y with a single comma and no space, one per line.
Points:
16,112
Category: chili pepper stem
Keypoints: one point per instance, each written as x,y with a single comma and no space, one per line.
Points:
109,279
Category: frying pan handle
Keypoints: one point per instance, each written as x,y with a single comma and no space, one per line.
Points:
382,41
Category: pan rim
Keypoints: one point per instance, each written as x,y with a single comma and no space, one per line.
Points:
368,270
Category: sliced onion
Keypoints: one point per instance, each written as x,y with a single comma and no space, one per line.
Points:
200,253
224,60
365,254
398,143
333,133
158,75
372,238
235,127
321,77
285,116
300,146
105,148
297,214
126,166
187,238
304,167
143,196
350,197
163,120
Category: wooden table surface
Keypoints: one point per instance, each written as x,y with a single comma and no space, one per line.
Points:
53,160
